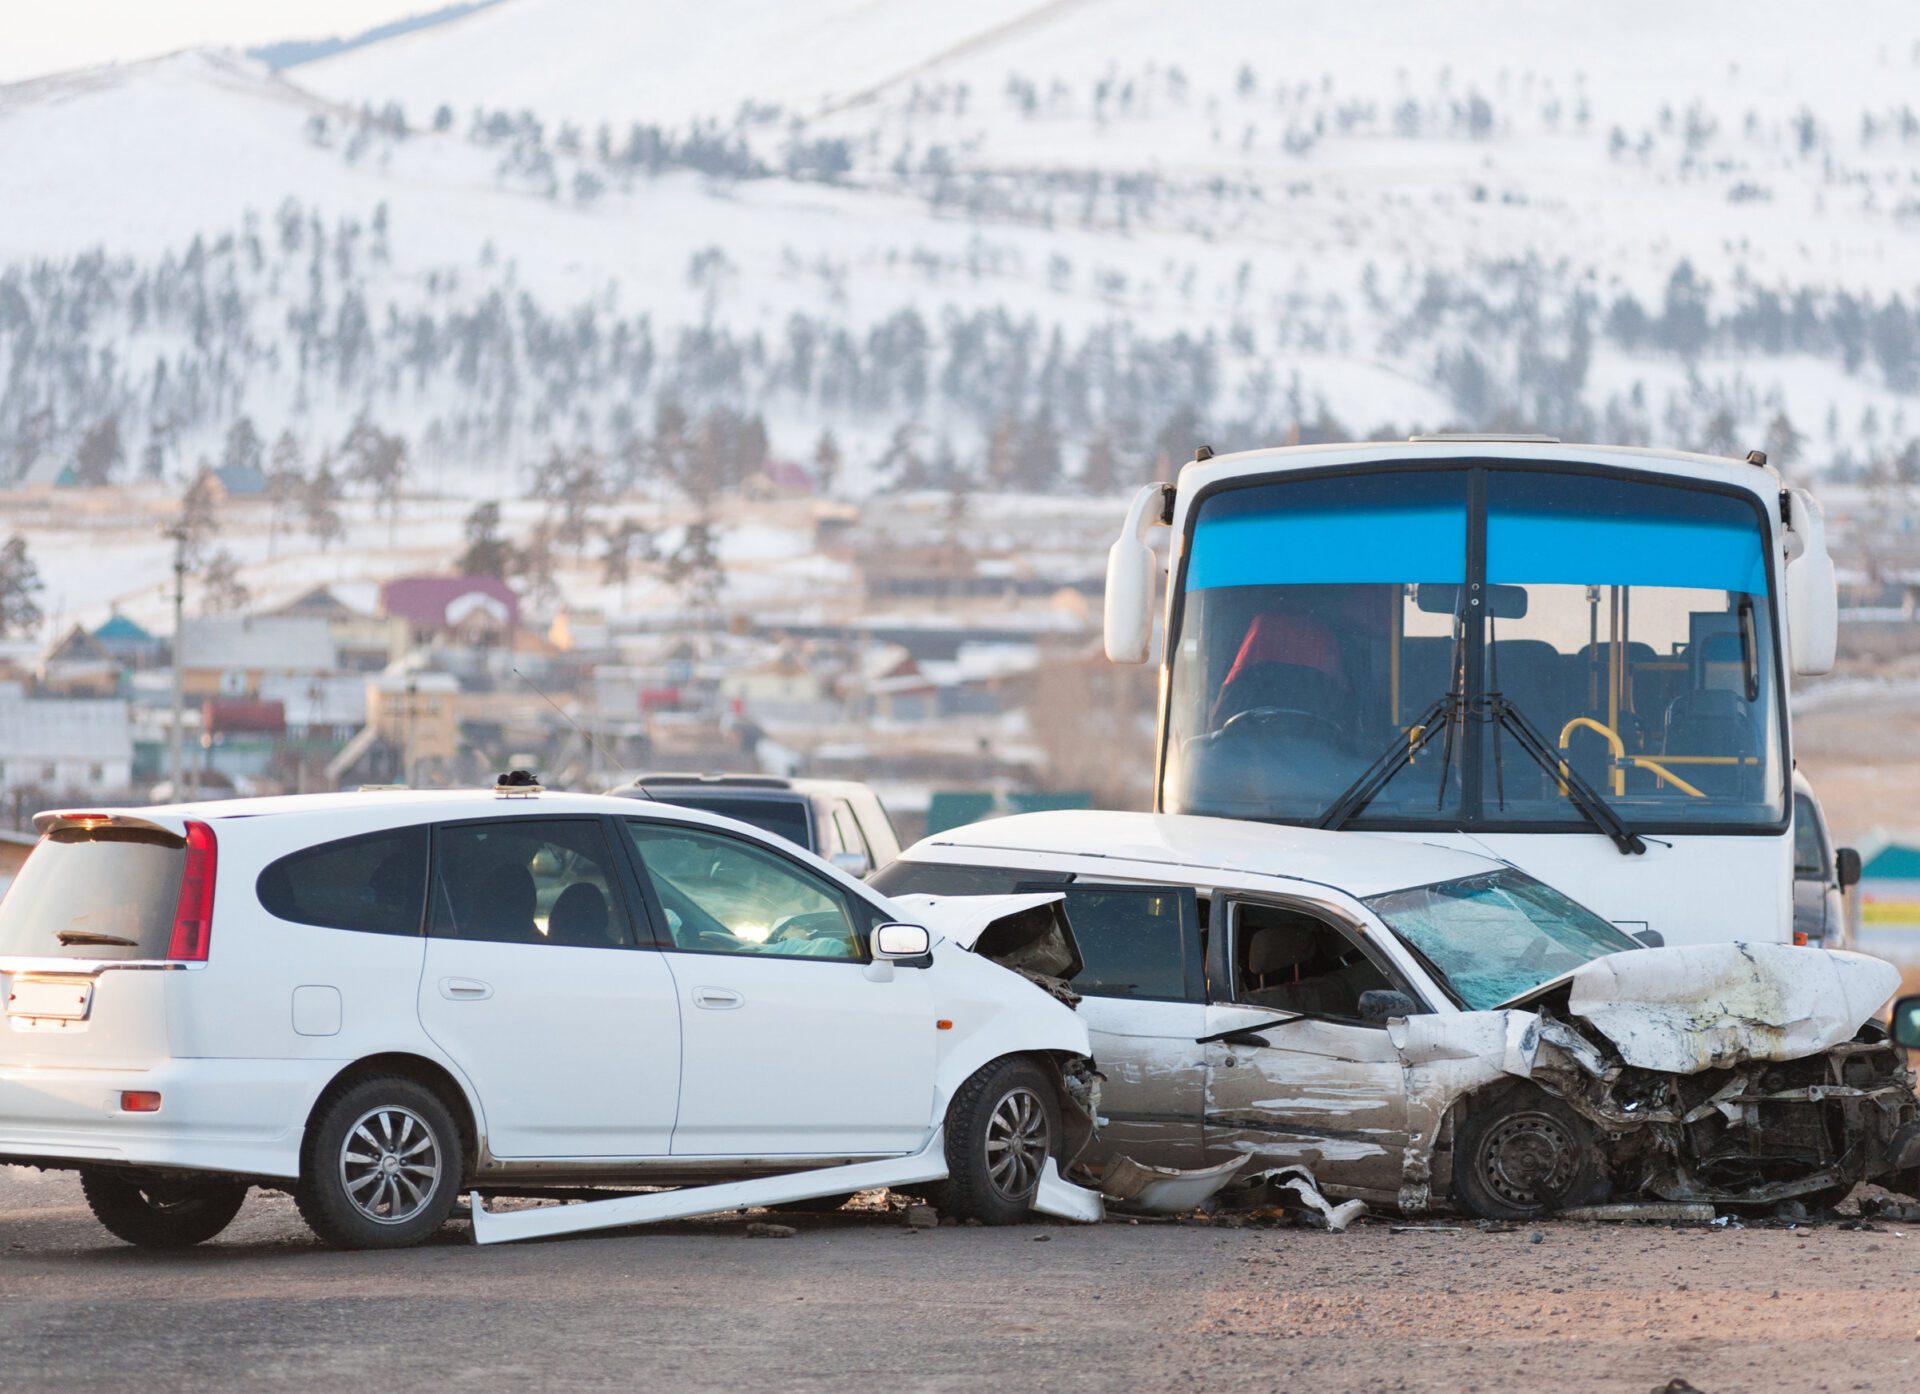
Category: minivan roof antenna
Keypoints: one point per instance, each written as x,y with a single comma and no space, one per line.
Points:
579,730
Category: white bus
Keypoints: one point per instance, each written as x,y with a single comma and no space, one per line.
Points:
1572,657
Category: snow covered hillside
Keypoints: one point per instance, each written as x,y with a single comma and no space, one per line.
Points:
1044,246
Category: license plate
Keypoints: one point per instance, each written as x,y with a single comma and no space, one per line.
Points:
67,1000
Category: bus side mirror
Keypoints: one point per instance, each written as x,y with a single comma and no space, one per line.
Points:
1131,565
1846,867
1813,595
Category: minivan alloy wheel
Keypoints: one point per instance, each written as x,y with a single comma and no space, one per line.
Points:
390,1164
1017,1143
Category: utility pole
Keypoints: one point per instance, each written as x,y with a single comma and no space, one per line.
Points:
176,769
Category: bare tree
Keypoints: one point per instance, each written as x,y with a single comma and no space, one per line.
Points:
221,590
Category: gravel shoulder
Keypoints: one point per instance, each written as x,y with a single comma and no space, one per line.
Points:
857,1301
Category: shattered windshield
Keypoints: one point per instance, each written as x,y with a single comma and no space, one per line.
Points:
1496,936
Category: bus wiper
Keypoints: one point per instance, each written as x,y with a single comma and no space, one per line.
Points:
1397,756
1506,716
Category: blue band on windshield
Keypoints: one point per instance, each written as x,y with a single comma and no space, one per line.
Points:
1321,546
1600,550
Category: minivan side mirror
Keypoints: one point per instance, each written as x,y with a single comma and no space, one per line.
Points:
1905,1024
1846,866
894,942
855,864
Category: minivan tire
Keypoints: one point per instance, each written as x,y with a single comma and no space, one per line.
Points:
1003,1125
380,1166
161,1214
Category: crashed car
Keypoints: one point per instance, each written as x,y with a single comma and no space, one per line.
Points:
378,1001
1420,1026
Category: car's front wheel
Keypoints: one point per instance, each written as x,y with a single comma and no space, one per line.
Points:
1521,1153
161,1214
1002,1126
381,1165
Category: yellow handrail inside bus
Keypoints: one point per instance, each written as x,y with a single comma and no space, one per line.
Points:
1621,760
1612,738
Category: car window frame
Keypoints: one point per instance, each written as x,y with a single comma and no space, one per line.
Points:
424,913
1192,952
619,881
1225,937
656,912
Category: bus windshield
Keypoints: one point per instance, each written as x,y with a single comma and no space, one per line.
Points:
1330,622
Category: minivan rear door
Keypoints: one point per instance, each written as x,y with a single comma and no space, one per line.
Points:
565,1022
86,930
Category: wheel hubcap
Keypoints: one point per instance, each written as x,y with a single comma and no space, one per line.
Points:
390,1164
1017,1143
1529,1159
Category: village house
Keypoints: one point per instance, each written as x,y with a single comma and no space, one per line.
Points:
473,611
77,747
230,655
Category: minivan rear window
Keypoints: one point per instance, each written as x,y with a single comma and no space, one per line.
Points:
99,893
782,817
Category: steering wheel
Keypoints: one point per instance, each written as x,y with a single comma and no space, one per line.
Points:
1260,716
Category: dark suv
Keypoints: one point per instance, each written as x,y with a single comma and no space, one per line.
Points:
840,820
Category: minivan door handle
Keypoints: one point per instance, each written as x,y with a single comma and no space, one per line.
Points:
464,990
717,999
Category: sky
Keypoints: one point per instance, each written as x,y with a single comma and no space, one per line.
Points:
50,36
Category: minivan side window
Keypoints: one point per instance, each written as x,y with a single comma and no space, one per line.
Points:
1135,942
723,894
527,881
375,883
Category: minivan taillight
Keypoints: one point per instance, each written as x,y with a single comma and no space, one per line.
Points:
193,916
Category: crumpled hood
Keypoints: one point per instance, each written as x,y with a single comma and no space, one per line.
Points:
1028,932
1706,1006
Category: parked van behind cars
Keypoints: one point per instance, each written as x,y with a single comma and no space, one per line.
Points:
374,1000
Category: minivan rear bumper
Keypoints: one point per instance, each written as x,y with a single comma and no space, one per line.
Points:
242,1117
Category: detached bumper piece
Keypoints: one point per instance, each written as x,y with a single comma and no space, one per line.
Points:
1054,1197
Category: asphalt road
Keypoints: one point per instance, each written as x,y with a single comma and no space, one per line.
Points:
856,1302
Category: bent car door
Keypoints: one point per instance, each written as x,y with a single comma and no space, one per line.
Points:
1327,1091
794,1042
1142,997
567,1029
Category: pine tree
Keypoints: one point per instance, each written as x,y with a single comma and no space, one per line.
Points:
319,502
487,553
826,462
19,585
101,453
221,590
197,510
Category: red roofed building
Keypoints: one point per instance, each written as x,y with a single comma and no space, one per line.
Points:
480,611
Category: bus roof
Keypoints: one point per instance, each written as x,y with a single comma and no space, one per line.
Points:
1762,480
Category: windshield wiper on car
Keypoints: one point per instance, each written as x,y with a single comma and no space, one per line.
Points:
69,938
1501,712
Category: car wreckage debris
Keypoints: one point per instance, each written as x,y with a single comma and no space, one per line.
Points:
1665,1212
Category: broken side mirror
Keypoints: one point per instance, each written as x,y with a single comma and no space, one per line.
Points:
1378,1005
901,943
1905,1023
1846,866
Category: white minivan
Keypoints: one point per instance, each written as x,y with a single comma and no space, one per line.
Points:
374,1000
